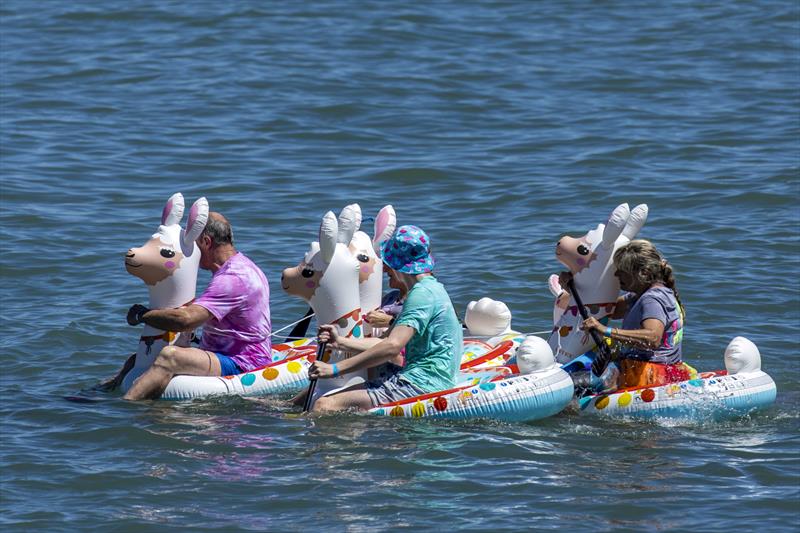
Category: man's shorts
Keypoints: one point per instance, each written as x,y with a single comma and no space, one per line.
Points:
228,365
392,389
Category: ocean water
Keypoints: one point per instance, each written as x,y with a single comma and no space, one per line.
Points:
497,126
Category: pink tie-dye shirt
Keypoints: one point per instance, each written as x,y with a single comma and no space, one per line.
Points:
238,299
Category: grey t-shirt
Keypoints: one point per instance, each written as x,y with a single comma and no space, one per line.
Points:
658,303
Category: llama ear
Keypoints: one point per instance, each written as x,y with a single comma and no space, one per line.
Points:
615,225
635,221
328,234
385,224
198,217
349,222
173,211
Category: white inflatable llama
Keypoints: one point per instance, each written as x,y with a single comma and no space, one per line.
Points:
327,278
168,264
366,251
590,258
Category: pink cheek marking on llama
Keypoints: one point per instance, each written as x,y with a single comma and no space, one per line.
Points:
580,262
310,284
169,264
365,269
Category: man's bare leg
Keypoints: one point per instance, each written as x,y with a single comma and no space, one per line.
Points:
349,398
173,360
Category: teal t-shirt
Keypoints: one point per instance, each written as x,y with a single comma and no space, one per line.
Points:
433,355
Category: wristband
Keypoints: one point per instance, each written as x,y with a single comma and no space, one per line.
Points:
335,370
608,331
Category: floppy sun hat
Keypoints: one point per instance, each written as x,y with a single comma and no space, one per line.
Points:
408,251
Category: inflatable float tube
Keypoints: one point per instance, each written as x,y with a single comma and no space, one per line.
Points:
494,393
740,389
288,371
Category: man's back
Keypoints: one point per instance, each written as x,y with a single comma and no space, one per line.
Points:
238,299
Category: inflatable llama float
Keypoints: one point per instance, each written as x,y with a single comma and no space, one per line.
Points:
168,264
742,387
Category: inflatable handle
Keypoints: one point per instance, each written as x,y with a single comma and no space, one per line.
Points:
312,384
604,357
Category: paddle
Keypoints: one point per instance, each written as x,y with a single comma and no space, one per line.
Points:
301,327
604,352
313,383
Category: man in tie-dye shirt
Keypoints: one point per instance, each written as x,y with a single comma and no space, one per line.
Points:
233,311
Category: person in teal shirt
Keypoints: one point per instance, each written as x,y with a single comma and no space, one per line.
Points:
427,329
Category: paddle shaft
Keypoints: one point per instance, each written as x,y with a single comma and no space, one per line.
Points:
602,347
301,327
312,384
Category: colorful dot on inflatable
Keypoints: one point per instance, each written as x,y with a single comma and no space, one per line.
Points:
648,395
270,373
440,403
624,399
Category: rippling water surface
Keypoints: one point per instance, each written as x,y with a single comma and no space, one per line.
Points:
498,126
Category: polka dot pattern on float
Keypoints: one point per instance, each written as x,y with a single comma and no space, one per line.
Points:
397,411
270,373
602,403
294,367
624,399
418,409
248,379
440,403
648,395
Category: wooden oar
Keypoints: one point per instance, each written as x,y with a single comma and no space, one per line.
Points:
603,351
312,384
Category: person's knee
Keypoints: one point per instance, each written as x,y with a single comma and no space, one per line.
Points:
168,357
325,404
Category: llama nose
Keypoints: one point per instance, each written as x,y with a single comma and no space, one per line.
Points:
129,253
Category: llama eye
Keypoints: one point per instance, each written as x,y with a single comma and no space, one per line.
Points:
583,250
363,258
166,252
306,272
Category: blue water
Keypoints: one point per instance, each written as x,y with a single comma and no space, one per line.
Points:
498,127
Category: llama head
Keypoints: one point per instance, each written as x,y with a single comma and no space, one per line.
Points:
366,251
590,258
168,262
327,277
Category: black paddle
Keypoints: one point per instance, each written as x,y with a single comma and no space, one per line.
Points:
313,383
299,330
604,352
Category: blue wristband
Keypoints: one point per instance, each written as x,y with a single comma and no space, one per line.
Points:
335,370
608,331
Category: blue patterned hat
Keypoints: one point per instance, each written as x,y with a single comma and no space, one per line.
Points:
408,251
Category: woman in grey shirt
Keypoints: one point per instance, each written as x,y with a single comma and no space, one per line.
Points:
652,318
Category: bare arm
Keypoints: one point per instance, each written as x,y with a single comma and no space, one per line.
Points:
380,352
181,319
620,308
357,345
